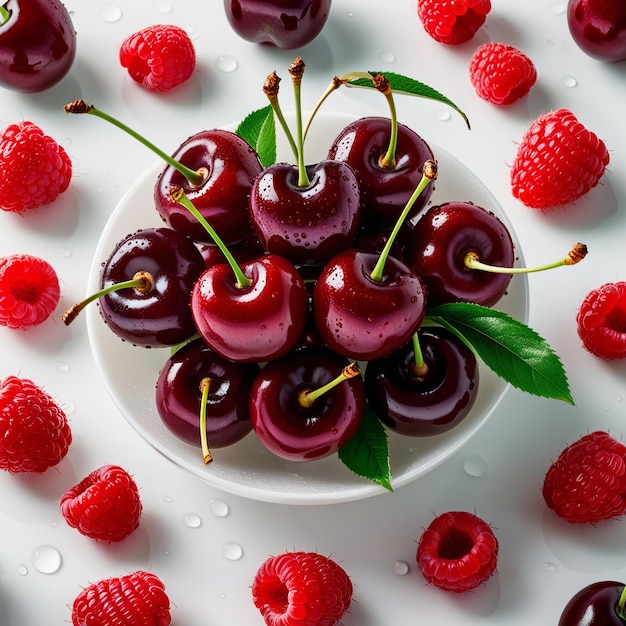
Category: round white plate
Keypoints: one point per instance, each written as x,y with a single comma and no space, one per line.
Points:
246,468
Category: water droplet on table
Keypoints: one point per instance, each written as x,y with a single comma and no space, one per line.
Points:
443,116
110,13
168,499
46,559
475,465
163,6
219,508
550,567
226,63
401,568
22,570
232,551
569,81
387,56
63,367
192,520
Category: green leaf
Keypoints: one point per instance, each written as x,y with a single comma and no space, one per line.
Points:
367,452
511,349
409,86
259,130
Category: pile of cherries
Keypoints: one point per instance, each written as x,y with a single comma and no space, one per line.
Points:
295,294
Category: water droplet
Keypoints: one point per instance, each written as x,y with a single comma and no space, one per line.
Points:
550,567
219,508
54,523
46,559
606,407
166,552
62,366
221,595
226,63
110,13
401,568
475,465
163,6
66,252
618,398
168,499
387,56
192,520
232,551
569,81
443,116
22,570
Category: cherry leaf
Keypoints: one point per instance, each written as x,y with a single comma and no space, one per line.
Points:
367,452
511,349
409,86
259,130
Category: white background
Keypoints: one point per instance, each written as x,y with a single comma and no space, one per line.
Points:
543,561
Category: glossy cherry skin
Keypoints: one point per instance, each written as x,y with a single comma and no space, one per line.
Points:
384,191
179,397
430,404
162,317
285,24
258,323
436,248
37,44
362,318
292,431
307,225
232,165
594,605
599,28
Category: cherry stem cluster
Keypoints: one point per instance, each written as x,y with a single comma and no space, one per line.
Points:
178,195
308,397
205,385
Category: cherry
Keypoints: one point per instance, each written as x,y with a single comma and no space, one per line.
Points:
599,28
276,22
37,44
597,604
307,405
145,288
179,395
425,388
215,168
305,213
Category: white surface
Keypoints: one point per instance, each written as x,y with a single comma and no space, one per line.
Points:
542,560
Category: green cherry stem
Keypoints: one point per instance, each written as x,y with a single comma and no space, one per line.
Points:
575,255
620,608
429,173
296,70
4,16
388,160
178,195
205,384
307,397
194,177
419,369
271,88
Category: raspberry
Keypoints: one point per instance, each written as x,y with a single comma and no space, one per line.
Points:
105,505
457,552
587,483
159,57
452,21
601,321
29,291
501,74
301,589
35,168
34,431
137,599
557,162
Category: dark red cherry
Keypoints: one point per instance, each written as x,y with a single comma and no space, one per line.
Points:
385,188
179,395
246,250
437,247
597,604
37,44
426,400
284,24
294,428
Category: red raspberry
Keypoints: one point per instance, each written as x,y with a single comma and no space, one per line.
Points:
557,162
35,168
29,291
137,599
587,483
501,74
301,589
601,321
105,505
159,57
452,21
34,431
457,552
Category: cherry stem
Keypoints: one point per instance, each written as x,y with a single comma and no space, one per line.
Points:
4,16
194,177
419,369
270,88
178,195
575,255
296,70
621,603
388,160
429,173
307,397
142,281
205,384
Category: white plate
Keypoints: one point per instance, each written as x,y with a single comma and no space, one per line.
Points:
246,468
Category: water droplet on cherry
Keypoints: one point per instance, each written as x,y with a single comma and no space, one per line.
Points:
226,63
46,559
110,13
